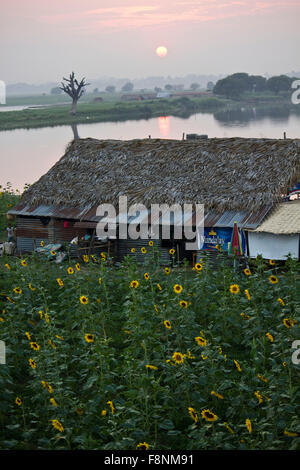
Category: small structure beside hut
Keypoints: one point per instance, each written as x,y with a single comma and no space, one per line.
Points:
239,181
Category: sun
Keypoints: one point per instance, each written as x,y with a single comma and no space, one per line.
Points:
161,51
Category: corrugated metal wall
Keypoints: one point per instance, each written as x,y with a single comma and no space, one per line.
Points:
30,231
124,248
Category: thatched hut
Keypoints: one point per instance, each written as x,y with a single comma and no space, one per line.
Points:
237,180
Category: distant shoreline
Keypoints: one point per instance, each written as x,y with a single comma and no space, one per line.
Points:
39,115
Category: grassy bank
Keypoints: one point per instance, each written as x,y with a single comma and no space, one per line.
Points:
130,357
107,111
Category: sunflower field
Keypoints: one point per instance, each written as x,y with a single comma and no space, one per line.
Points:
137,356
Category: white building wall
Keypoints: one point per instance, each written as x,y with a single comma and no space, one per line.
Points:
272,246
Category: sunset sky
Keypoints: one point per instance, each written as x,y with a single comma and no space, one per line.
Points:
43,40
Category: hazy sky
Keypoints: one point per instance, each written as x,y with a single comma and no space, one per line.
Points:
43,40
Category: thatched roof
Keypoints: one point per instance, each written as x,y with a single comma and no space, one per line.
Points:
223,174
283,220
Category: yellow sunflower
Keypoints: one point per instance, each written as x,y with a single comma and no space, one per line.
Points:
167,324
193,414
281,301
85,258
143,250
142,446
70,270
84,300
273,279
271,262
17,290
234,289
201,341
77,266
146,276
217,395
198,267
132,250
53,253
60,282
149,366
150,243
134,284
172,251
32,363
288,322
270,337
178,357
34,346
89,338
23,262
247,272
112,408
167,270
237,365
57,425
249,425
177,288
183,304
209,415
18,401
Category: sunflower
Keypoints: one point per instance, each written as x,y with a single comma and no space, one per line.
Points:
237,365
17,290
167,324
77,266
18,401
159,286
177,288
193,414
247,317
60,282
142,446
150,243
209,415
259,397
217,395
272,262
143,250
84,300
281,301
53,253
41,314
28,335
167,270
262,378
146,276
234,289
172,251
112,408
23,262
54,403
249,425
132,250
149,366
34,346
70,270
134,284
31,287
32,363
183,304
290,434
85,258
42,243
178,357
273,279
47,386
7,266
247,294
288,322
228,428
103,413
51,343
270,337
198,267
57,425
89,338
247,272
201,341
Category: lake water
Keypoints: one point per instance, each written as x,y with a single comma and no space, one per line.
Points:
25,155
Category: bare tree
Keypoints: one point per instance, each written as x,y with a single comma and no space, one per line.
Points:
74,89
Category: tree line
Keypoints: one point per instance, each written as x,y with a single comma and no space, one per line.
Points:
236,84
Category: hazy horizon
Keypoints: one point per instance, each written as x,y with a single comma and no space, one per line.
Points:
44,41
